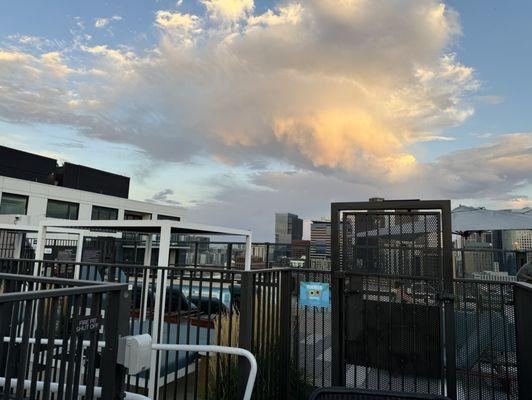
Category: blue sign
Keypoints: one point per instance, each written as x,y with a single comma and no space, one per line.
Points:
314,294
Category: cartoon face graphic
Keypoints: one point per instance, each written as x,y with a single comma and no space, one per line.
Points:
314,294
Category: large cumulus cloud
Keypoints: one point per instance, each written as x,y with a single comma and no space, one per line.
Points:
319,84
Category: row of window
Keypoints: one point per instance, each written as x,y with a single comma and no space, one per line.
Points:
18,204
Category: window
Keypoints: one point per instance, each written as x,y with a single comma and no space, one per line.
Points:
104,213
134,215
168,217
13,204
62,209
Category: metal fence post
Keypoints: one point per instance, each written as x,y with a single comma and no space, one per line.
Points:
229,255
337,292
448,284
285,330
523,327
245,334
196,255
116,325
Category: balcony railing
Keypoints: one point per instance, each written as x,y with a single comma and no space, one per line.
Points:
51,335
261,310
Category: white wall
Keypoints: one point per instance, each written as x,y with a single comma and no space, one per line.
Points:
39,193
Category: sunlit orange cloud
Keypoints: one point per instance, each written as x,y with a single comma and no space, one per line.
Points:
348,139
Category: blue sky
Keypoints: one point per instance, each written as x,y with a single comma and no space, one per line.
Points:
495,42
239,109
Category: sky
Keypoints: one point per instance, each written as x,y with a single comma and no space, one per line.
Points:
237,109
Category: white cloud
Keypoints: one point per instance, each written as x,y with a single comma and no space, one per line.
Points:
103,22
179,29
487,171
289,14
163,197
174,20
229,10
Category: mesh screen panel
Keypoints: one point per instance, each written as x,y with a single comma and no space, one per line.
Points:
393,319
486,359
392,243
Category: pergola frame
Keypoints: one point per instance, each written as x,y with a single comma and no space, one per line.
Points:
81,233
149,227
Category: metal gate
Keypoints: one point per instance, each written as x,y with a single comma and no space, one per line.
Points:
393,317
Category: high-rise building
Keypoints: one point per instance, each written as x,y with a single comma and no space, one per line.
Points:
300,249
320,239
288,227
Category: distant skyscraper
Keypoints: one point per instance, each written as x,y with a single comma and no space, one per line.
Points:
288,227
320,239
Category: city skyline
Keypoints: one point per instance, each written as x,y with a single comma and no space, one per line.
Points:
235,109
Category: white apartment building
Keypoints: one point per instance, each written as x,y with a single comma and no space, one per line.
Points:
27,203
34,188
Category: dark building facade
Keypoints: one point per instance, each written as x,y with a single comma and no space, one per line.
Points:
35,168
288,227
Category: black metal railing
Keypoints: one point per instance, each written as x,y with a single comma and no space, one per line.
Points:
486,362
310,334
262,310
58,338
486,349
469,261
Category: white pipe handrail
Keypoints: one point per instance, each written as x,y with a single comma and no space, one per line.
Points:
54,388
217,349
157,347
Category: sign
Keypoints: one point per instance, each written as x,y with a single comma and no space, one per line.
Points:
47,250
314,294
87,324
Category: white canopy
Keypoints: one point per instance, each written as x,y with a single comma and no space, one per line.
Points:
480,219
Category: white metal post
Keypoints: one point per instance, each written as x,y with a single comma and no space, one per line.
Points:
160,303
247,264
18,245
39,249
79,254
146,277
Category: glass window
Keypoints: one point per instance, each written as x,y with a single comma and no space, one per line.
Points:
13,204
168,217
132,215
62,209
104,213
